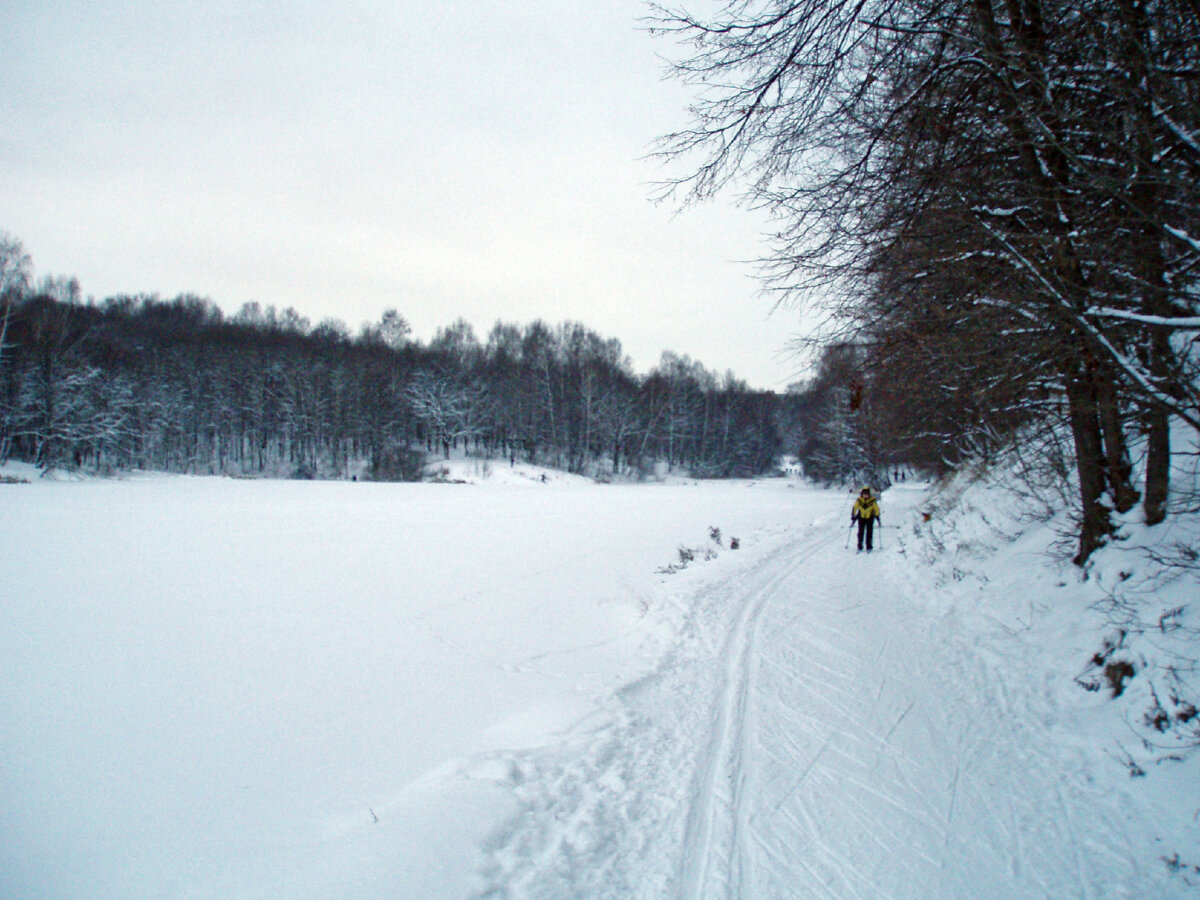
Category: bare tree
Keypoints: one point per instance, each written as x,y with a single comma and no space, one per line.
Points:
15,271
453,409
1000,151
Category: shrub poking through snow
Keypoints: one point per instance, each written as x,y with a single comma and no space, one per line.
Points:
1109,671
687,555
1188,872
1117,673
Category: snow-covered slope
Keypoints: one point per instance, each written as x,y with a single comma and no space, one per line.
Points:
233,689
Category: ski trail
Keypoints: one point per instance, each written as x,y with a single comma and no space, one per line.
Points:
815,731
716,857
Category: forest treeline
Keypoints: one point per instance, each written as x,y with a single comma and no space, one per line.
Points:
997,204
175,385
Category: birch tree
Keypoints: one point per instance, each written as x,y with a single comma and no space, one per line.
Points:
15,270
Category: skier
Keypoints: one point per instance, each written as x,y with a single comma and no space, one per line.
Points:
866,513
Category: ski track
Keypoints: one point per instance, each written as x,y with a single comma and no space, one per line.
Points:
717,856
813,733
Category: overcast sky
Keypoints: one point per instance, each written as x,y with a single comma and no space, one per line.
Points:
475,158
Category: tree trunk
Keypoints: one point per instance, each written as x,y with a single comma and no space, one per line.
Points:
1118,465
1146,214
1095,525
1158,465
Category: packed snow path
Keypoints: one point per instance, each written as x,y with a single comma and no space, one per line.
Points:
818,733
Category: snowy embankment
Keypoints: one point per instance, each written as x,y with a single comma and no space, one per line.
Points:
264,689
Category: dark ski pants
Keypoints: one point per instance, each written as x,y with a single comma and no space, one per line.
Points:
866,528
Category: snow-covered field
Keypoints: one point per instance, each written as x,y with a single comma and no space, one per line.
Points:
232,689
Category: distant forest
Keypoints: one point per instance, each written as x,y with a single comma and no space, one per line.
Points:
139,382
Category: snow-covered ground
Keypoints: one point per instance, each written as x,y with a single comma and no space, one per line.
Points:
257,689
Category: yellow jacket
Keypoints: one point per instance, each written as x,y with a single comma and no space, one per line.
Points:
865,508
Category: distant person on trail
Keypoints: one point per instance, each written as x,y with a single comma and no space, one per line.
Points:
865,513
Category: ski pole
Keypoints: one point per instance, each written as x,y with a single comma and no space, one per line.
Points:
850,529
